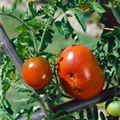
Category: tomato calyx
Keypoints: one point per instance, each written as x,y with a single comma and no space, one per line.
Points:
111,100
116,99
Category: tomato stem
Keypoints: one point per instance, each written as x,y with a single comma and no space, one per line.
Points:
42,38
43,107
55,74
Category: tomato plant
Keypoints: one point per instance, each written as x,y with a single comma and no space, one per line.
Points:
88,76
37,72
113,108
79,72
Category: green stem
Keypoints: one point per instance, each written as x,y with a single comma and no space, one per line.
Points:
55,74
34,41
42,38
89,113
31,30
115,13
44,31
10,15
43,108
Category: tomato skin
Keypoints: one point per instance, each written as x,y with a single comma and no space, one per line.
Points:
79,72
37,72
113,108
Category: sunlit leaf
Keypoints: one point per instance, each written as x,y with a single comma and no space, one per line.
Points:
80,17
97,7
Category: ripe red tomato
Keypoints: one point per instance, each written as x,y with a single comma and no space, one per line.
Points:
79,72
37,72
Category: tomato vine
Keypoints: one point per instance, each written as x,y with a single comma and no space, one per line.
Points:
34,34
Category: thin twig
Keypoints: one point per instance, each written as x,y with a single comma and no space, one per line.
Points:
10,15
42,38
55,74
109,29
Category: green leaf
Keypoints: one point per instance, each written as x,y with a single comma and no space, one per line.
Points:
116,3
8,107
33,98
97,7
3,9
47,38
20,1
114,33
102,116
25,39
64,28
116,54
81,114
21,28
31,9
35,24
21,113
75,37
15,4
80,17
4,114
95,112
5,84
21,88
29,116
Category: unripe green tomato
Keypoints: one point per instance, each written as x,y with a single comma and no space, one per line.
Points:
113,108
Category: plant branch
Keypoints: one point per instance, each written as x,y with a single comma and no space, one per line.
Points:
35,116
29,28
108,29
76,104
80,104
7,47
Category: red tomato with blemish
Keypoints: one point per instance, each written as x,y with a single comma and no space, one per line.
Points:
37,72
79,72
